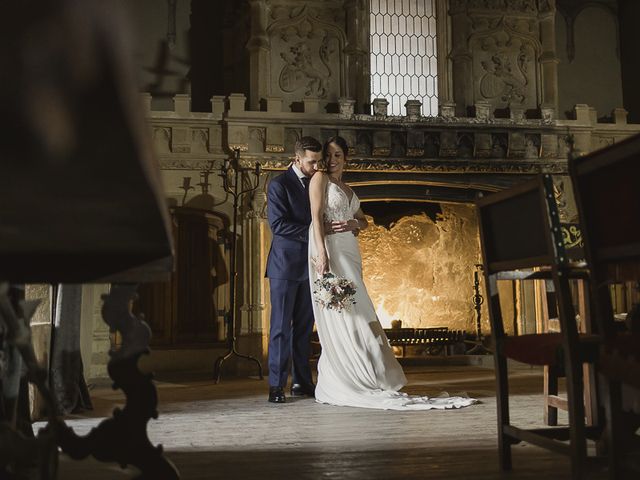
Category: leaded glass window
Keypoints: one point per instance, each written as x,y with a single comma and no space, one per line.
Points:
403,54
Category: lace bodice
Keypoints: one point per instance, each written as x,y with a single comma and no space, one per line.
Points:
337,204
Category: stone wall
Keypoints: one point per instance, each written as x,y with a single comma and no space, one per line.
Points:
161,47
589,60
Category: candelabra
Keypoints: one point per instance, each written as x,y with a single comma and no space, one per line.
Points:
231,182
478,300
204,200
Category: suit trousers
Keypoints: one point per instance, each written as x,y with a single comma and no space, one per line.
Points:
290,334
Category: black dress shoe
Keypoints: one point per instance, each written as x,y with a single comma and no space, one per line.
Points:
276,395
303,390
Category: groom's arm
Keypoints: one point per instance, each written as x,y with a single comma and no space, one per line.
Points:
278,215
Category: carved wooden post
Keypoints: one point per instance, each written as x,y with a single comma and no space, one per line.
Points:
255,262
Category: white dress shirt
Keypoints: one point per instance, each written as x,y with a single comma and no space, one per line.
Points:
298,173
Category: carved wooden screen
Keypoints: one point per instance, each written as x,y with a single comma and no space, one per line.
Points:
403,54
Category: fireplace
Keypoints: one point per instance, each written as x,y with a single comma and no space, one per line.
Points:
422,247
418,262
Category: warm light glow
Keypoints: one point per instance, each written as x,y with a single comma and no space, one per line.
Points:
384,316
421,271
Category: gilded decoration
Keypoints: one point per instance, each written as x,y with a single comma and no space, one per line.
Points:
563,194
415,152
306,54
243,147
425,166
381,152
183,163
572,236
274,149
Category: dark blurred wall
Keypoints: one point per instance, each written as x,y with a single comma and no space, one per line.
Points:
218,37
629,18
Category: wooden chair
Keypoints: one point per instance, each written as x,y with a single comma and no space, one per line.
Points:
552,401
520,230
608,198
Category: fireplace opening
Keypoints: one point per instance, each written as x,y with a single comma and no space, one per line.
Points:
419,260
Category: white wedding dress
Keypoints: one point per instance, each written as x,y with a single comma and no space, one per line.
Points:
357,367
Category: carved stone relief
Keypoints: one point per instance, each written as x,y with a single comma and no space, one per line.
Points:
199,140
363,143
465,146
162,139
500,142
532,146
291,136
256,140
504,66
306,55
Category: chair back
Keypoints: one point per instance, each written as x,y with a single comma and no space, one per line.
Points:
520,227
605,183
608,198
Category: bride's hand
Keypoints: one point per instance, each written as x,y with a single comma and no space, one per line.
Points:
321,264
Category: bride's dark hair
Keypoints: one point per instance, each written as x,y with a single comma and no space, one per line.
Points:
338,140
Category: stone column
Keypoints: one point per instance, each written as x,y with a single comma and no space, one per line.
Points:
548,58
462,67
259,47
445,84
357,52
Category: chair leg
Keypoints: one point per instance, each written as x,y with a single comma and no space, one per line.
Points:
612,399
590,395
502,398
578,440
573,374
550,388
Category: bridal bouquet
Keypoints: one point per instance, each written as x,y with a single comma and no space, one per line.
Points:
334,293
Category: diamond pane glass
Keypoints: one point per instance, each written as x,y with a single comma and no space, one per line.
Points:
403,55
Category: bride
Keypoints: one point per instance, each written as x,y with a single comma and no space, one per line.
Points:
357,366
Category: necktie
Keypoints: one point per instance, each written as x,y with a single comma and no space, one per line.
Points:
305,182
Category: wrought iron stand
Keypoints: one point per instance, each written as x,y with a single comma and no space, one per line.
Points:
478,300
234,188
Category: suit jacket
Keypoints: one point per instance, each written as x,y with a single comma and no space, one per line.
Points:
289,214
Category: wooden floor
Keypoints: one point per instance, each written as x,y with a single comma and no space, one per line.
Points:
230,431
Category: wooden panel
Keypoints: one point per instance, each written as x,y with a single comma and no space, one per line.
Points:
157,302
183,312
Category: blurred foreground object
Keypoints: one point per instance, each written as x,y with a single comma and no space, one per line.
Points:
80,201
80,196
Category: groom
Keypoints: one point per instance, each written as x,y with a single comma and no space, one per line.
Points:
289,216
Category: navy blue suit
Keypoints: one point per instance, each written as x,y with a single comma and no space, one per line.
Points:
289,216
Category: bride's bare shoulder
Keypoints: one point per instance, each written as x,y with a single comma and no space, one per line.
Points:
319,178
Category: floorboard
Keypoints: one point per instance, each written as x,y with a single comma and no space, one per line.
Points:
230,431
